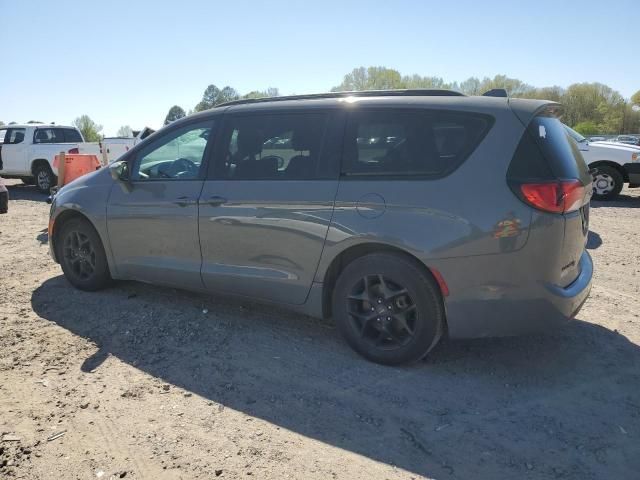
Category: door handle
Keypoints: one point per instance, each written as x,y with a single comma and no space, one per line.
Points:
216,201
185,201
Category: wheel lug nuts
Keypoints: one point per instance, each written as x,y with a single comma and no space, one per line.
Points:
379,300
373,309
388,319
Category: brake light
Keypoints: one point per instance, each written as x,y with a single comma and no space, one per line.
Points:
554,197
74,150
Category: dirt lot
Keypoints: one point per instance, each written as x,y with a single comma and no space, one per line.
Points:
149,382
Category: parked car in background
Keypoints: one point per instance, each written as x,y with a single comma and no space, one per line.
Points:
597,139
469,217
615,164
28,151
628,139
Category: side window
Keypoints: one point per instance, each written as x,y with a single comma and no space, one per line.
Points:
48,135
274,147
14,136
3,133
178,155
397,143
71,135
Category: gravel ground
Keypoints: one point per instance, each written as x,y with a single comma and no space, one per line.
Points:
148,382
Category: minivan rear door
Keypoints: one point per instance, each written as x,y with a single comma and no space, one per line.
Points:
266,206
549,173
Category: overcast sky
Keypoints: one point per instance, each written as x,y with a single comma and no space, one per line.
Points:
124,62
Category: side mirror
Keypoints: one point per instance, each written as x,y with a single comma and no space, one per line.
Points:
120,173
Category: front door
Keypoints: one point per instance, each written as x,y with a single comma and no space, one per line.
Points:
265,213
153,224
13,151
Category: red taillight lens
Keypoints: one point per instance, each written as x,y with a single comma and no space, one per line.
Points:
74,151
555,197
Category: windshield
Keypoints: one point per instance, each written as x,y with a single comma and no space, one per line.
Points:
575,135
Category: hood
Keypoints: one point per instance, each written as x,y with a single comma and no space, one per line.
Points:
616,146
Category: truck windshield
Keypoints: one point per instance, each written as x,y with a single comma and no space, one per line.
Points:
575,135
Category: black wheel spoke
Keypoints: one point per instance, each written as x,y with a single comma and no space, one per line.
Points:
382,312
401,319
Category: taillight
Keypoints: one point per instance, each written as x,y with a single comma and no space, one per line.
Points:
74,150
555,197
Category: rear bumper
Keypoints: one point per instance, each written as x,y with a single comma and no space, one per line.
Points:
633,172
506,310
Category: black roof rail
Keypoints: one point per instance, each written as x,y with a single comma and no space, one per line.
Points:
496,92
416,92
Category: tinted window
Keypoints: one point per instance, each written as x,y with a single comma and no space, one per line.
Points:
410,143
3,132
71,135
14,135
177,155
547,150
284,146
48,135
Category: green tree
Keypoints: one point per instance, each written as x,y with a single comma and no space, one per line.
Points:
174,114
635,98
586,128
214,96
417,81
125,131
1,123
268,93
34,121
371,78
90,130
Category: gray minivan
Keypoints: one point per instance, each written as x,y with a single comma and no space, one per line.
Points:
404,215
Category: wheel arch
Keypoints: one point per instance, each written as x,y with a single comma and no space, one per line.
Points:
354,252
609,163
37,162
59,222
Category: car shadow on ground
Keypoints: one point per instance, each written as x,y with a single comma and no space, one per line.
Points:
621,201
564,405
19,191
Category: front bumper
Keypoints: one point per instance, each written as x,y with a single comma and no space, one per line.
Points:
633,172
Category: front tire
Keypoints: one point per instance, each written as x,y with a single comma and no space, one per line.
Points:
44,178
388,308
607,183
82,256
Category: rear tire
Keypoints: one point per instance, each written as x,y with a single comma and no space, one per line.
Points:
44,177
82,256
388,308
607,183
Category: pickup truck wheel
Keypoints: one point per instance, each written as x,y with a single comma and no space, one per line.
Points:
44,178
82,256
607,183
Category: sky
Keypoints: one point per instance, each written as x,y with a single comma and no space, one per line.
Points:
127,63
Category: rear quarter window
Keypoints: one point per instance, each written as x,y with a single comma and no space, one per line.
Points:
72,136
403,143
546,151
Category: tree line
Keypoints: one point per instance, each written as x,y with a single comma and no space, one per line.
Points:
590,108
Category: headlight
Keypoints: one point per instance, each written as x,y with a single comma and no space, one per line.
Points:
634,157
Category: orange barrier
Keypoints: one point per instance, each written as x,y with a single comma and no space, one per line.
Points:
75,165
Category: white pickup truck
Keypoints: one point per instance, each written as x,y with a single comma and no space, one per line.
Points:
27,151
116,146
614,164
